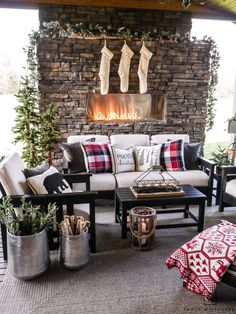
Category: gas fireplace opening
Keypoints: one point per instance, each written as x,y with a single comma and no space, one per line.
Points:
125,107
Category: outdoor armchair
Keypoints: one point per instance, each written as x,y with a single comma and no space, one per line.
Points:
14,184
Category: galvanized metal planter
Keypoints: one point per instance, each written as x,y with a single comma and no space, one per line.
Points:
75,251
28,256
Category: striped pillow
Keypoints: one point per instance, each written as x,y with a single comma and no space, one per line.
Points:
172,155
98,157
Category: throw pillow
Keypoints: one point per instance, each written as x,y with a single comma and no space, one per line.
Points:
51,181
172,155
35,171
146,157
191,154
74,155
98,157
123,159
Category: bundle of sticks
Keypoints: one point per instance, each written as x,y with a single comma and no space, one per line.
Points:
73,225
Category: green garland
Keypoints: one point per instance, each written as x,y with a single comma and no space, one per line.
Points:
81,30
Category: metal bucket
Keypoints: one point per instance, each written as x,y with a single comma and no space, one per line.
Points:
28,256
75,251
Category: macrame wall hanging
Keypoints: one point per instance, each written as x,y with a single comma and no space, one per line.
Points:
145,56
124,67
104,71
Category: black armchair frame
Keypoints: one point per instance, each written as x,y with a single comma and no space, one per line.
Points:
65,200
208,167
228,173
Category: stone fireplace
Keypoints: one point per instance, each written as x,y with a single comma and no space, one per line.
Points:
69,70
125,107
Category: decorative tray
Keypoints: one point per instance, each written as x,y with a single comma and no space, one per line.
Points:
150,194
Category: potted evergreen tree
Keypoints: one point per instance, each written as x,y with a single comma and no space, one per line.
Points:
220,158
27,245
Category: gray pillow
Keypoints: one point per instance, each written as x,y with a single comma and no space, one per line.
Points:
74,155
35,171
191,154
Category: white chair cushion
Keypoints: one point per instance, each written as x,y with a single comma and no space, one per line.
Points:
82,210
193,177
80,138
12,177
128,140
126,179
98,182
162,138
231,187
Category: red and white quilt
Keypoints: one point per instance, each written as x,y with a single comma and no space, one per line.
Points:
203,261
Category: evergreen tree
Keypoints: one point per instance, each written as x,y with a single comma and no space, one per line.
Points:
34,127
49,132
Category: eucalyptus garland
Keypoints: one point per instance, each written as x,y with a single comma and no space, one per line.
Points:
55,30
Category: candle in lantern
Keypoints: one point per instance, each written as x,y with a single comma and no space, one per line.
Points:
143,228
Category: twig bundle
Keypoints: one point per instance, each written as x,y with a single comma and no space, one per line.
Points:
74,225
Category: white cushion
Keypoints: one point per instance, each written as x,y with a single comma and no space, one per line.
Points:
193,177
122,159
82,210
162,138
231,187
50,181
128,140
146,157
98,182
126,179
80,138
12,177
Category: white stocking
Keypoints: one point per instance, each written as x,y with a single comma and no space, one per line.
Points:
124,67
104,71
143,68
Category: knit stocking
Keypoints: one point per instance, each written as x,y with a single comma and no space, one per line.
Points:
104,71
124,67
143,68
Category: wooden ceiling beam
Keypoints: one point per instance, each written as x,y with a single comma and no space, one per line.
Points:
176,5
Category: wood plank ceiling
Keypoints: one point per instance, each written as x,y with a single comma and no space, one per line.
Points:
217,9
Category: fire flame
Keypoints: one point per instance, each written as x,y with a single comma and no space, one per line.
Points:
114,111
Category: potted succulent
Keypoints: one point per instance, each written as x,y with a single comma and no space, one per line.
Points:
221,158
27,244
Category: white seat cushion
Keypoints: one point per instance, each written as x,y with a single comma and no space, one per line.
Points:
126,179
127,140
98,182
231,187
12,177
193,177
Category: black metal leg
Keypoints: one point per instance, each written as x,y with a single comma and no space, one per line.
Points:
201,215
92,228
124,223
4,241
116,209
185,212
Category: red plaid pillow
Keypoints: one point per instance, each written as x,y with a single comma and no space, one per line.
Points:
98,157
172,155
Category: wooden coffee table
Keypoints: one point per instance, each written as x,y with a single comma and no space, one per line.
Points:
125,200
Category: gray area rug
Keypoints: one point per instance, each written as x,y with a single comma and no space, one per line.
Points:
118,279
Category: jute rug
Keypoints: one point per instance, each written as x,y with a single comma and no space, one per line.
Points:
121,280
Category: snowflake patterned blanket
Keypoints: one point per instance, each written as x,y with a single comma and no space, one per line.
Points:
203,261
